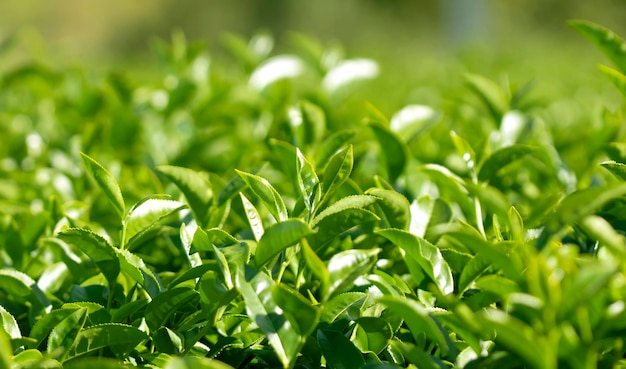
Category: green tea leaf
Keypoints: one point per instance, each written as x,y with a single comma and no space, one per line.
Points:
490,94
300,312
96,248
349,202
501,158
192,362
420,321
267,194
164,305
346,266
119,337
331,144
307,181
8,324
372,334
6,351
337,171
145,215
604,39
254,219
256,289
64,334
617,169
344,305
20,285
618,79
106,182
395,208
425,254
278,237
338,351
133,266
195,186
393,150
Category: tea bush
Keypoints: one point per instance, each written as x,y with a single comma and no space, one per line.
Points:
262,215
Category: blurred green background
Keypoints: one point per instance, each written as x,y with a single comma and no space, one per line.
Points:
423,46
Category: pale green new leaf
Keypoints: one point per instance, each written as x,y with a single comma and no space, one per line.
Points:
393,150
346,266
64,334
254,219
604,39
96,248
267,194
337,171
146,214
8,324
106,182
133,266
299,311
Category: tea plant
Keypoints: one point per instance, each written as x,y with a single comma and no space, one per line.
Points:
259,217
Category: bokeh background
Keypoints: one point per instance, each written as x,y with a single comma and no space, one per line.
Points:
422,46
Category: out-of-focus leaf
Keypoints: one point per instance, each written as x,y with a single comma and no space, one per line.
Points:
278,237
604,39
21,285
106,182
490,94
425,254
618,79
196,188
192,362
393,150
501,159
267,194
331,145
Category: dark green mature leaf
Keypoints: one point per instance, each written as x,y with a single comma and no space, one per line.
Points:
338,351
472,270
425,254
106,182
299,311
195,186
278,237
395,208
346,266
96,248
314,263
119,337
267,194
256,289
418,357
420,321
44,326
164,305
144,215
607,41
618,79
343,305
393,150
64,334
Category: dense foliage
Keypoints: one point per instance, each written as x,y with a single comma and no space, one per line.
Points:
262,216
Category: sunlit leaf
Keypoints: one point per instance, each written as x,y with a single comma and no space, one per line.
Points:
119,337
145,215
346,266
267,194
278,237
106,182
604,39
97,248
196,188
